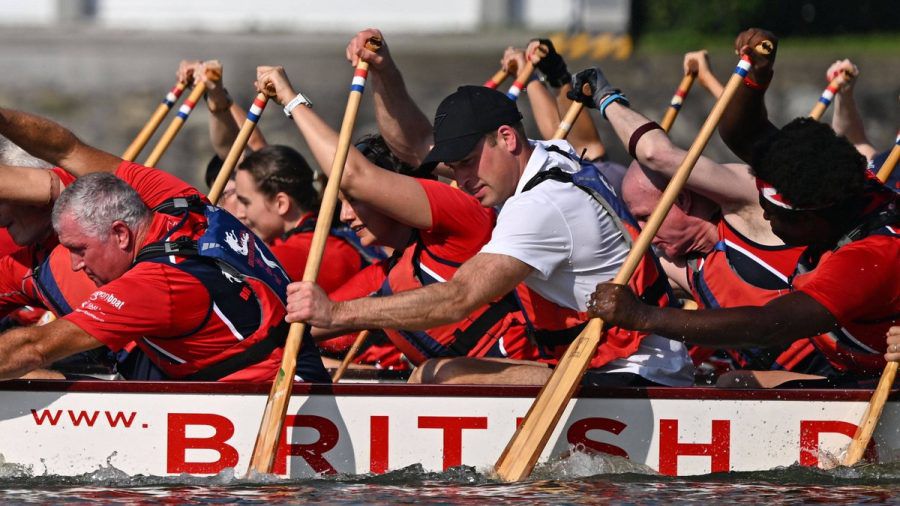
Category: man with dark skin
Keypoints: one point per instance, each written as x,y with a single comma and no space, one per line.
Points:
816,193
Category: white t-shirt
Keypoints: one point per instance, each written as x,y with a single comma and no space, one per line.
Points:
573,244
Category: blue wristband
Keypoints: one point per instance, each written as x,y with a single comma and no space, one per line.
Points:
612,97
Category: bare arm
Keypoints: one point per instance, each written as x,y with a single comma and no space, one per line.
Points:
405,201
28,186
846,120
24,349
52,142
404,126
745,121
698,62
730,186
781,321
223,127
482,279
543,105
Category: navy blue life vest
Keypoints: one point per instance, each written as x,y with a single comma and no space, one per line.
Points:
368,254
228,259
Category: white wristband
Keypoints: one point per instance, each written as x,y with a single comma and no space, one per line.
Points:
299,99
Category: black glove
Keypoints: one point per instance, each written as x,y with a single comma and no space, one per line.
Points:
553,66
599,86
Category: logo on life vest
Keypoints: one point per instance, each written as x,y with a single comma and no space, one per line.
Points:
241,247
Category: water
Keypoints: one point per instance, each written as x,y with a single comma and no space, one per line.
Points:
578,478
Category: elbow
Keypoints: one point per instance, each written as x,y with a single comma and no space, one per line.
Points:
660,157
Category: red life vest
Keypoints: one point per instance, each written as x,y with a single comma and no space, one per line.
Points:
554,327
490,331
741,272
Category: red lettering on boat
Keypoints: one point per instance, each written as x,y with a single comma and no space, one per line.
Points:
179,443
378,444
719,450
578,435
453,427
313,452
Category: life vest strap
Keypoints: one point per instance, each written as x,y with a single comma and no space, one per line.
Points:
255,353
468,338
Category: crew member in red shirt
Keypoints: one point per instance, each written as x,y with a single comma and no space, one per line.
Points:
432,227
816,192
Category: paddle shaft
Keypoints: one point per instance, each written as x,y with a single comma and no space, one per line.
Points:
351,354
887,168
496,79
565,126
677,100
276,406
870,417
153,123
828,95
237,148
175,126
524,449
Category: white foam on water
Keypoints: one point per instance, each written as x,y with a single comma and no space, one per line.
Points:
579,463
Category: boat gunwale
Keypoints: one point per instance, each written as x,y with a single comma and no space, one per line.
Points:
413,390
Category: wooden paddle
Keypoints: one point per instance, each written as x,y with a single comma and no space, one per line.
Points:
677,99
175,126
237,149
887,168
870,417
496,79
276,406
521,81
153,123
526,445
351,353
565,126
828,94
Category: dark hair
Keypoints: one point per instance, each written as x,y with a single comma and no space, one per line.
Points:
810,165
212,170
376,150
282,169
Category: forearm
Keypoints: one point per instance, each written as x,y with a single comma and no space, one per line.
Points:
654,150
19,352
543,107
718,328
404,126
848,123
223,130
423,308
28,186
50,141
712,85
745,122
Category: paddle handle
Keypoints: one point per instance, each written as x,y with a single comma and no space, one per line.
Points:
521,454
153,123
565,126
828,95
870,417
521,81
276,406
888,166
351,354
496,79
237,148
684,87
175,126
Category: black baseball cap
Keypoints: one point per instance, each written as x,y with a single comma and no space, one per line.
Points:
463,118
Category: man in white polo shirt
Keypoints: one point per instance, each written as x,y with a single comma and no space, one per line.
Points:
561,230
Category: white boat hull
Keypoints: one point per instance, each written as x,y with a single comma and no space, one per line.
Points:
70,428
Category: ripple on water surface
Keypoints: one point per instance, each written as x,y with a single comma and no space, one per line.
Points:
576,478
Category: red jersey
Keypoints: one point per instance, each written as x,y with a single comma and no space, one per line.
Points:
7,245
340,261
859,284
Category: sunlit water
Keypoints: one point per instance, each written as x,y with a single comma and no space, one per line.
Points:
578,478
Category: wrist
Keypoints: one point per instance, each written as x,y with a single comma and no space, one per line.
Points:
298,100
610,98
218,100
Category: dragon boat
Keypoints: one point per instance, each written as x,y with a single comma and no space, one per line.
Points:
167,428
